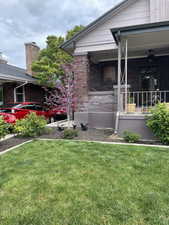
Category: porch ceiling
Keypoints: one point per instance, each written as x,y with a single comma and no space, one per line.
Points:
132,53
146,36
150,40
141,39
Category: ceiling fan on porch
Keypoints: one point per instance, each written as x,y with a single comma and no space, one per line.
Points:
151,58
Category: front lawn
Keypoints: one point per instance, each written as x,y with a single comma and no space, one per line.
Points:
78,183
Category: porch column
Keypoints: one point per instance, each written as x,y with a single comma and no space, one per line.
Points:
81,69
126,73
119,78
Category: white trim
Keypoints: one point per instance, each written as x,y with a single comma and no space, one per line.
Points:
17,146
14,78
109,143
15,89
8,136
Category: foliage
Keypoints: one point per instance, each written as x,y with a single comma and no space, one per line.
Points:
70,134
3,128
130,100
31,126
131,137
48,68
74,31
64,92
158,122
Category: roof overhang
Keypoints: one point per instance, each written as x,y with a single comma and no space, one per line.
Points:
139,30
70,44
9,78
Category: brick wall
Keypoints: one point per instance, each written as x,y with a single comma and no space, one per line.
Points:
81,75
32,53
8,93
33,93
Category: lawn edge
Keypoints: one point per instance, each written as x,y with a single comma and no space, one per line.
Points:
8,136
104,142
14,147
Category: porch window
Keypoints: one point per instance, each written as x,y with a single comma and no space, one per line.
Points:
109,74
20,94
1,95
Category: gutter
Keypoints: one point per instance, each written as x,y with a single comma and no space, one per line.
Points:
12,78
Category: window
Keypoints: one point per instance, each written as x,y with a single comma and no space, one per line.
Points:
109,74
20,94
1,95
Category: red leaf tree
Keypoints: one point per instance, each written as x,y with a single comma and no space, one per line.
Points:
63,93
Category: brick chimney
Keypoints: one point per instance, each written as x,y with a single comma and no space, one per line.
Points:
32,53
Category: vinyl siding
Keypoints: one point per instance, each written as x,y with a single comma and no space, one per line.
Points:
101,38
159,10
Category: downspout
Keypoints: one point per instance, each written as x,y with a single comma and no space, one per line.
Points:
21,85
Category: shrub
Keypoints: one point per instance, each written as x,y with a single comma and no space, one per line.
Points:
3,128
158,122
31,126
131,137
70,134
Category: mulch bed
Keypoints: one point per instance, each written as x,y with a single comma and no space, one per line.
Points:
94,135
89,135
6,144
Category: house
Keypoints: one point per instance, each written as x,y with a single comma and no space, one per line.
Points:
18,85
121,65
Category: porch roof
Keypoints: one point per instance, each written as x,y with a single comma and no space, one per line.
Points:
11,73
145,36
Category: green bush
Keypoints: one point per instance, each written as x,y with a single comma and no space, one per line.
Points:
158,122
70,134
31,126
131,137
3,128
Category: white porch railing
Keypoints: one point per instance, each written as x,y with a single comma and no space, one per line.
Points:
142,101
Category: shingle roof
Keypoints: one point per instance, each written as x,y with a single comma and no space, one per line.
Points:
14,73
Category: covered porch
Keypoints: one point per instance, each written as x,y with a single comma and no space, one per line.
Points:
126,81
147,47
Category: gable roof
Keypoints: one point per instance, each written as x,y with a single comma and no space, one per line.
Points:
14,73
95,23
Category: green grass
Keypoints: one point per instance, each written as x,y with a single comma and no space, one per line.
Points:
78,183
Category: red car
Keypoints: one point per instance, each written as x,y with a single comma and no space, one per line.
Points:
19,111
8,118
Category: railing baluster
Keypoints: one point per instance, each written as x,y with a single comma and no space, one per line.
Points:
137,103
144,99
165,97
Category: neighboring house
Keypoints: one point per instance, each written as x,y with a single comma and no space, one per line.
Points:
18,85
121,65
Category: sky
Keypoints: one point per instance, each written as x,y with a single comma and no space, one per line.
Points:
24,21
